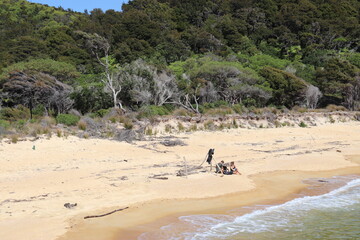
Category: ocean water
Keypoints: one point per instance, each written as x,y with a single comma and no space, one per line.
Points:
334,215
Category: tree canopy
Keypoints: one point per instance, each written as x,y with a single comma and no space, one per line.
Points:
240,51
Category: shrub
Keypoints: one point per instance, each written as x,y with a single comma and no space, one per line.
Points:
14,138
148,131
149,111
277,124
82,125
331,119
299,109
209,125
302,124
168,128
114,119
238,108
39,110
4,124
48,132
234,123
181,127
192,128
14,114
333,108
249,102
286,123
67,119
35,129
182,112
58,132
128,124
33,121
216,104
102,112
257,111
20,124
47,121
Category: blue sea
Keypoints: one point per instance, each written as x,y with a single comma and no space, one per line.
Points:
334,215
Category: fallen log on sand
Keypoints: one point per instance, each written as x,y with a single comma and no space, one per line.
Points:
103,215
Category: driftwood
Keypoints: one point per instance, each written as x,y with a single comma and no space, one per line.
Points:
103,215
172,143
159,176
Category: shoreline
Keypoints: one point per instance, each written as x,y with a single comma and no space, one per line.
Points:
104,175
150,216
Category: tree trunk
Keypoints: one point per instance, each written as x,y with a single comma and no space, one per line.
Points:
115,100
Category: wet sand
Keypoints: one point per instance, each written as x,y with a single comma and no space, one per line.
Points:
271,189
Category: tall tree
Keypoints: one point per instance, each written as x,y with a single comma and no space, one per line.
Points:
114,76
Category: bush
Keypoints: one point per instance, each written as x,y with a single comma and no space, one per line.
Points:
209,125
168,128
216,104
182,112
59,132
39,110
192,128
128,124
67,119
333,108
47,121
149,131
331,119
150,111
102,112
181,127
4,124
238,108
82,125
14,138
249,102
14,114
20,124
302,124
299,109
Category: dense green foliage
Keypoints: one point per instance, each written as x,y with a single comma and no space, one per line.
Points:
243,52
67,119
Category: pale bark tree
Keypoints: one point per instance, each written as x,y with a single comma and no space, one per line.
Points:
312,96
208,93
150,86
165,87
188,98
114,76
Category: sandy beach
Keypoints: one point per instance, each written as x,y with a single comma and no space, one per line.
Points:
38,177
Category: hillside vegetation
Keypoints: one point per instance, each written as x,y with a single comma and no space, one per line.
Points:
156,56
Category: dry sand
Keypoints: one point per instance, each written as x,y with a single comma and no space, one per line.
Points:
102,175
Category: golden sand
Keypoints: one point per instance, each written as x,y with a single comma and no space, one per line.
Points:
103,175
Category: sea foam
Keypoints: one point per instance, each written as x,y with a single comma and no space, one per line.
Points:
283,217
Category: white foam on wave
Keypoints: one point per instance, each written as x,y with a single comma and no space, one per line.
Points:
279,216
270,219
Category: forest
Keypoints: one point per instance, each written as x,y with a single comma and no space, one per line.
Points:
156,56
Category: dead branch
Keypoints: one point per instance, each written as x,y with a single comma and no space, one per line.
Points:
103,215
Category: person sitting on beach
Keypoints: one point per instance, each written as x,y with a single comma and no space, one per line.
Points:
221,167
233,169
